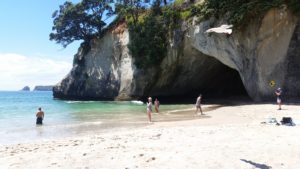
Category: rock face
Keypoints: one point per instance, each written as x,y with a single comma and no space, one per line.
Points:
26,88
103,72
43,88
107,72
185,73
267,50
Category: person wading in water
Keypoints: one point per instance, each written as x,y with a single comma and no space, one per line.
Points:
39,116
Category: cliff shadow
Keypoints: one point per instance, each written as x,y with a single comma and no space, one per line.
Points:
200,74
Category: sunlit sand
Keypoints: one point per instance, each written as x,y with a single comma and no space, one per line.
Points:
225,137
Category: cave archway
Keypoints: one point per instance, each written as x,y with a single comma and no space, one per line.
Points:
223,85
199,73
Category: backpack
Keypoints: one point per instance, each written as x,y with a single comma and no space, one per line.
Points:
287,121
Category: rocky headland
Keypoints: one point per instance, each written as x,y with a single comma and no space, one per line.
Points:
43,88
253,62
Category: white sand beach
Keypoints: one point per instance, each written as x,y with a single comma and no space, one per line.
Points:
230,137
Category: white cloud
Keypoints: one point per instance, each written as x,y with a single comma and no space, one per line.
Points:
17,71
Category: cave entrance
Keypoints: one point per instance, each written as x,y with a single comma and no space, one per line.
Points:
224,86
217,83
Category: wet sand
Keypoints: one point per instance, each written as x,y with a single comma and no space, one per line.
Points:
225,137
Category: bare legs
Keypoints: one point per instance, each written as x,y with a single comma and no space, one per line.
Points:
149,116
279,104
201,110
156,109
198,107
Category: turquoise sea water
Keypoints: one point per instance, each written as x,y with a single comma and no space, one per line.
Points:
68,118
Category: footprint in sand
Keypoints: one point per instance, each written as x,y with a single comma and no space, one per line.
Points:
155,137
151,159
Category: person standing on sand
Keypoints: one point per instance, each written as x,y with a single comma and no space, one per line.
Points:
39,116
156,104
198,104
149,108
278,94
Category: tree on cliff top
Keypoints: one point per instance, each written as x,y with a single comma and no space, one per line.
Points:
81,21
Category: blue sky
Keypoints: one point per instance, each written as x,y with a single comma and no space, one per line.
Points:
27,56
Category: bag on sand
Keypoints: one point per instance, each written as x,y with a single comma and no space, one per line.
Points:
287,121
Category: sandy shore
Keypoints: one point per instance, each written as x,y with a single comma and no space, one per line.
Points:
230,137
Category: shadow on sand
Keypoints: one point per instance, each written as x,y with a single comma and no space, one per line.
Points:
257,165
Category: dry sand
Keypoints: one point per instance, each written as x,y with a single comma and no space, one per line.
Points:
230,137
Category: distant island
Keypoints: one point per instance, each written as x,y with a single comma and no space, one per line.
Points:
43,88
26,88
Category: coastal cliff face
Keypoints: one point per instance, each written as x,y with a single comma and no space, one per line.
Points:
102,72
267,50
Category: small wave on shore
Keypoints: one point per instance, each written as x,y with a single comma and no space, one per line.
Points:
72,102
137,102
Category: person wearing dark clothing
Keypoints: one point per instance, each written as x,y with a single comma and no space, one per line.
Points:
39,116
278,93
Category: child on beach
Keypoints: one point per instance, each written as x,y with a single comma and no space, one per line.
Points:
149,109
156,104
198,104
278,94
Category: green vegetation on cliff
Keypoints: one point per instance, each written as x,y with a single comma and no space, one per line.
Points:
239,12
150,32
149,36
152,23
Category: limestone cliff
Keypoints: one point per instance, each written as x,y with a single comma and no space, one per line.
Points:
268,50
102,72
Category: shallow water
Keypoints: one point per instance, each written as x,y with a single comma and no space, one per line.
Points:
70,118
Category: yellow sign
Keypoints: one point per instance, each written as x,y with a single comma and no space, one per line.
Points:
272,83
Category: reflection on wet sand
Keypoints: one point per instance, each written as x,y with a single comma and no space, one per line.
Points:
39,130
181,115
163,116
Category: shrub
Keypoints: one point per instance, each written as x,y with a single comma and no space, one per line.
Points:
148,41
